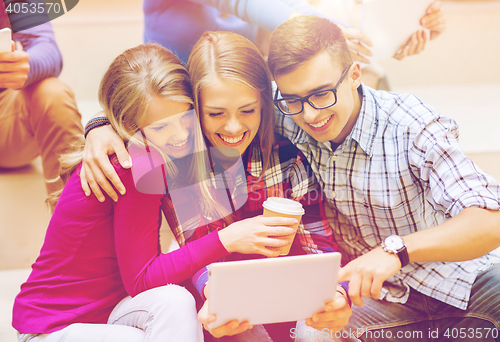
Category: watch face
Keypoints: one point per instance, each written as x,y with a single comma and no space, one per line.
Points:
394,242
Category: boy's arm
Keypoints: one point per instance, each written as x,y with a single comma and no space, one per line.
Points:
469,235
459,190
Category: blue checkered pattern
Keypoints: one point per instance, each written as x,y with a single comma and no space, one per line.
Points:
400,170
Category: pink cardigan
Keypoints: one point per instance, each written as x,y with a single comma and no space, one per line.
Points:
95,254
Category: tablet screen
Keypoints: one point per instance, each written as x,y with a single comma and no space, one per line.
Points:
272,290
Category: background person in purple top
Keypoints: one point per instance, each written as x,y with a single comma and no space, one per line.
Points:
177,24
38,113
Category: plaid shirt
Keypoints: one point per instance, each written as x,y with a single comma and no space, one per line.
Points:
288,175
400,170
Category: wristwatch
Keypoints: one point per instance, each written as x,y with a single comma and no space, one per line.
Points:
394,244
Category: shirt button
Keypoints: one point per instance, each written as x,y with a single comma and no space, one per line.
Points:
333,158
333,195
353,149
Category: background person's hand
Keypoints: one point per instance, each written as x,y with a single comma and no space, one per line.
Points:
335,314
434,20
14,68
251,236
357,43
367,273
414,45
96,167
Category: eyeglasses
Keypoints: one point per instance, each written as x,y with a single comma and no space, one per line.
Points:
321,99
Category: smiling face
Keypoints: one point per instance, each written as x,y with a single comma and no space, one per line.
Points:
230,114
169,125
321,72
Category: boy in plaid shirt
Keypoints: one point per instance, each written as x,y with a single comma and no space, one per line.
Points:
394,175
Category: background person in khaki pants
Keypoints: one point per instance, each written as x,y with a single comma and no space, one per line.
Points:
38,113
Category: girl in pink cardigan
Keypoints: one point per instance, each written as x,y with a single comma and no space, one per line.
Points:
101,275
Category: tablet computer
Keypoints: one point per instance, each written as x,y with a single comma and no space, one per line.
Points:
272,290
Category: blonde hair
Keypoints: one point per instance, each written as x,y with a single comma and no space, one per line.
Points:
133,80
298,40
231,57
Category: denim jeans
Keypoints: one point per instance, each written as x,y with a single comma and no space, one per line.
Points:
166,313
424,318
278,332
257,334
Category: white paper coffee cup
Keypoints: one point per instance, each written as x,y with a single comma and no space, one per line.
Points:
283,207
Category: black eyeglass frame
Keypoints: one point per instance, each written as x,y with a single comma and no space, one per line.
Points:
306,98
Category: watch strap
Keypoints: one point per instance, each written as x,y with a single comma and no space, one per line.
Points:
403,256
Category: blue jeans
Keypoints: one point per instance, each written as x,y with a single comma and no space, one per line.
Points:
278,332
424,318
256,334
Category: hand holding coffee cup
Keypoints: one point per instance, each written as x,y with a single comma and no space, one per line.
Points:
283,207
252,235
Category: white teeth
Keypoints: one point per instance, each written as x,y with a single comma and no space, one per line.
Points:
322,123
232,140
182,143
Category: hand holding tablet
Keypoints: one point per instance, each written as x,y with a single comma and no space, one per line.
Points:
262,291
387,23
271,290
229,329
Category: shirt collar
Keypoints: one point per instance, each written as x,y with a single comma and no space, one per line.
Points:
252,158
365,129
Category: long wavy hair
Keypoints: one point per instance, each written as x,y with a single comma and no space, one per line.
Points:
231,57
133,80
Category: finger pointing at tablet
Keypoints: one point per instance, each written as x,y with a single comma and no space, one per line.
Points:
367,273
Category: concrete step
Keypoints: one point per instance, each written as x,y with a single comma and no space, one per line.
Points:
10,282
91,35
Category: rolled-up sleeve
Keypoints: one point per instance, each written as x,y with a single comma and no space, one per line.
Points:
454,181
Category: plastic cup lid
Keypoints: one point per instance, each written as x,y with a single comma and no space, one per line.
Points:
284,206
